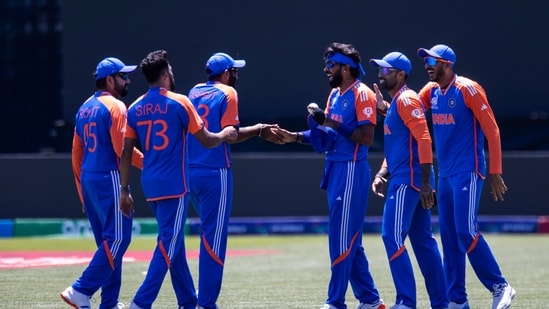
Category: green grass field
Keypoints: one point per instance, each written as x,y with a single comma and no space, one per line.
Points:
294,277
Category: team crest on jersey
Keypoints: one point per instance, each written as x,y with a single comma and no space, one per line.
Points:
434,102
452,102
368,111
345,104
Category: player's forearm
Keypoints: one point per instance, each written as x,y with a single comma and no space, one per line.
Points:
245,133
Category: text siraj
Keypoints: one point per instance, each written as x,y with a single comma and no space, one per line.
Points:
151,109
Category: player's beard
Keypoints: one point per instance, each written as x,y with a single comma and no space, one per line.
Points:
387,84
172,83
438,74
337,79
121,89
232,80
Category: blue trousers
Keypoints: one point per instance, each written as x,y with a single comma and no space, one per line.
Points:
346,184
458,202
404,216
169,254
112,233
211,193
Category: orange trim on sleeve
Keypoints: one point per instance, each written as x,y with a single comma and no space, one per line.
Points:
230,117
76,158
411,112
195,123
475,98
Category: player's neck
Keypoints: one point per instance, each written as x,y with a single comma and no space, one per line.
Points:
346,84
445,82
393,92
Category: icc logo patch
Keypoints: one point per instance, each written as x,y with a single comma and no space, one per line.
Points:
452,102
434,103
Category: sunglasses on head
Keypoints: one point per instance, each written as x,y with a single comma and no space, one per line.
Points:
432,61
386,71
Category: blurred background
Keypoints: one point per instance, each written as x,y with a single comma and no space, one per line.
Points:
51,47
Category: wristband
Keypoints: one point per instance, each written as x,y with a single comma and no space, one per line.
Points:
125,188
345,130
306,137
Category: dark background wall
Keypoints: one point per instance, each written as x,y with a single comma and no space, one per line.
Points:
266,184
51,48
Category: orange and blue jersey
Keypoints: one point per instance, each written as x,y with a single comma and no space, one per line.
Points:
353,108
217,105
98,136
462,120
159,120
407,140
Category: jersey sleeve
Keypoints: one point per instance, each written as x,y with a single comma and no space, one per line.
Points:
475,98
195,123
425,94
365,105
76,158
230,116
411,112
119,119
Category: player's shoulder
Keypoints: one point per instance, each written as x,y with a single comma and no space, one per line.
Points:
363,90
113,104
409,97
178,97
466,84
431,85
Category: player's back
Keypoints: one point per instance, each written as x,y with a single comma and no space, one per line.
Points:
216,104
159,120
93,124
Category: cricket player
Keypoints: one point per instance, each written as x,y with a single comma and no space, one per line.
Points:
160,119
351,112
462,121
409,163
96,148
211,178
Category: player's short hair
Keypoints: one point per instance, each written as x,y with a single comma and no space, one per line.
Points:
154,64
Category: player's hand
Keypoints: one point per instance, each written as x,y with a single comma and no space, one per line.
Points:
318,114
427,196
381,105
377,186
287,136
270,133
126,204
497,187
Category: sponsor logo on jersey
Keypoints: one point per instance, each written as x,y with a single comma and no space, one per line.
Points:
417,113
368,111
